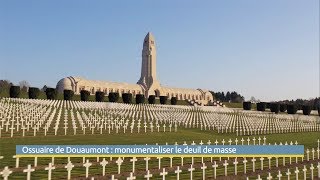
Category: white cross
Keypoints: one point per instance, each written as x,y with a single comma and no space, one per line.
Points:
318,169
178,171
313,151
288,173
311,169
87,165
245,165
253,164
147,162
12,128
304,172
216,142
103,163
159,161
204,167
6,173
69,167
225,164
163,173
297,173
223,141
131,177
279,175
215,165
259,178
261,159
133,160
235,166
119,162
28,171
49,169
191,169
35,161
148,175
242,140
269,176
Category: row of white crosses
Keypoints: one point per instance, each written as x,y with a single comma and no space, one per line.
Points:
289,173
39,114
225,164
94,122
6,172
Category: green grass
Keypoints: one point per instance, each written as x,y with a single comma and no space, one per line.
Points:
7,148
238,105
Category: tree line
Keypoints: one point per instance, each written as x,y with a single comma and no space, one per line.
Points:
233,96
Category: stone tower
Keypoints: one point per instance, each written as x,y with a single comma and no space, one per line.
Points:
148,77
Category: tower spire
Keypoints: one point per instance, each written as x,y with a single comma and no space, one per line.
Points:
148,77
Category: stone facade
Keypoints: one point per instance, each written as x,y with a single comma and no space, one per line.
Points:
148,83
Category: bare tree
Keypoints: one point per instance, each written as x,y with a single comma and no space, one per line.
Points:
5,85
24,85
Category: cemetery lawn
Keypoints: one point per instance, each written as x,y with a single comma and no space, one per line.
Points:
7,145
7,149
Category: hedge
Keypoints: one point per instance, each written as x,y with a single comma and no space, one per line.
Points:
306,109
113,97
33,92
174,100
268,105
99,96
51,93
68,94
275,107
127,98
14,91
84,95
261,106
291,109
139,98
283,107
163,99
152,99
246,105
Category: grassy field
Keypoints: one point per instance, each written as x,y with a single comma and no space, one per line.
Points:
238,105
7,147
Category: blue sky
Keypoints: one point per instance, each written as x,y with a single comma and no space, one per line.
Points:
267,49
